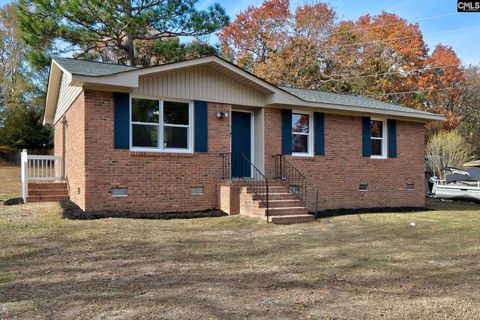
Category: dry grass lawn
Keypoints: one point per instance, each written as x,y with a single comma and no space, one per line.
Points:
367,266
9,181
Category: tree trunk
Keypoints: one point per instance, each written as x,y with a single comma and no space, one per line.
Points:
130,49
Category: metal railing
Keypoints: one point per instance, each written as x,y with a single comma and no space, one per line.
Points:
257,183
297,183
226,166
39,168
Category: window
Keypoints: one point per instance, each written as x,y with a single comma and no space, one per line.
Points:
161,125
119,192
196,191
302,142
378,140
363,187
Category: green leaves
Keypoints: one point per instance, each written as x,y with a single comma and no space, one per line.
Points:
108,30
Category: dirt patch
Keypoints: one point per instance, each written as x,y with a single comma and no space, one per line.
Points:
73,211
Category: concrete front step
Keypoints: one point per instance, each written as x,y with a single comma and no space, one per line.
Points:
291,219
287,211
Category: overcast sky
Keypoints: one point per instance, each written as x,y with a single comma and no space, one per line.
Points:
466,42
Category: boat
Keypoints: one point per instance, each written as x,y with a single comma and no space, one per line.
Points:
463,185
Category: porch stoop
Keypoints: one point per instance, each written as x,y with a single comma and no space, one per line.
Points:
284,207
47,191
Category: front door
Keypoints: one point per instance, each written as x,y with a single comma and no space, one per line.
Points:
241,143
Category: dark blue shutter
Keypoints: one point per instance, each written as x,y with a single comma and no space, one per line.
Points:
286,131
366,139
201,125
319,127
392,138
121,120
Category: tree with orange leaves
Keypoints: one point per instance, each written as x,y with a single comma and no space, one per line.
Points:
442,80
280,46
378,55
256,33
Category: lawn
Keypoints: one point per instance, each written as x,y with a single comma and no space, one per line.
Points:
9,181
365,266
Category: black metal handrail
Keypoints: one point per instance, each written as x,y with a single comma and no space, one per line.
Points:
257,182
296,181
226,166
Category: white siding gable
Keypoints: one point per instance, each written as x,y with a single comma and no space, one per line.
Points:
199,83
66,96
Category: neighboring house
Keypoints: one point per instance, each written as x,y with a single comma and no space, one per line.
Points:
177,138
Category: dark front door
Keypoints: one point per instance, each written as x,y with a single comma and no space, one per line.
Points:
241,143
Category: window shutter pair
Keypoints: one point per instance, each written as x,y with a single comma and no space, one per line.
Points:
121,119
318,134
391,137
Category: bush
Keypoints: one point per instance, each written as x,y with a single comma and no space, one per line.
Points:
7,149
447,149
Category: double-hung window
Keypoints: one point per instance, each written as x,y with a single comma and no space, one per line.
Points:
302,141
378,138
161,125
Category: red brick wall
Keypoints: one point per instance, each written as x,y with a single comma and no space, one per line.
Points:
74,149
156,182
339,173
159,182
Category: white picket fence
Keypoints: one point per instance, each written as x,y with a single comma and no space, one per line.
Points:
39,169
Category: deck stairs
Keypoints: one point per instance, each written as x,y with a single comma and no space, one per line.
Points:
47,191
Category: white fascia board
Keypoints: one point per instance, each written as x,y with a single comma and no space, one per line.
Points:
53,90
121,80
365,110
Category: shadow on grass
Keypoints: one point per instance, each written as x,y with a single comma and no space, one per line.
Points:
431,205
346,212
72,211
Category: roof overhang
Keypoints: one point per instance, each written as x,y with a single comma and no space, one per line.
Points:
347,109
275,97
53,91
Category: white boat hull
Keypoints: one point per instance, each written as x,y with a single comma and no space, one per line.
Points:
456,192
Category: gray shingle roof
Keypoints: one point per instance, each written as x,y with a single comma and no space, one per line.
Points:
90,68
349,100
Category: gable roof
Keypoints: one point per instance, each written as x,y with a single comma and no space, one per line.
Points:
82,72
90,68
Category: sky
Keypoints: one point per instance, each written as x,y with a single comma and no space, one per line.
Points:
463,28
465,42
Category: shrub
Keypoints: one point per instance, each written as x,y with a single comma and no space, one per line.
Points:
447,149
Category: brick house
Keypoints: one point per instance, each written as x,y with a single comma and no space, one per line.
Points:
204,134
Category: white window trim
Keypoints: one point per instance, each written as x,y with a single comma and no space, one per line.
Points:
310,134
384,139
161,125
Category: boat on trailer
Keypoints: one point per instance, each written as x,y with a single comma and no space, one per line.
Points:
459,184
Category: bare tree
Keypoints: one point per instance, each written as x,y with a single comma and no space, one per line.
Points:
447,149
